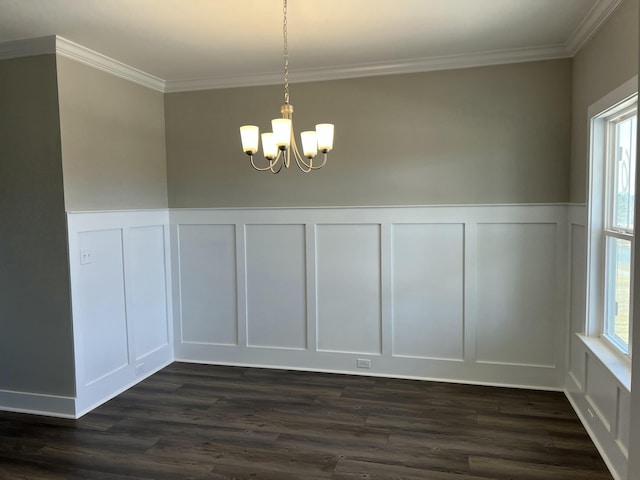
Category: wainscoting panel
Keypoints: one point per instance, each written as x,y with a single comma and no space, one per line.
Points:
517,311
577,296
428,291
601,398
623,424
276,286
597,382
147,287
578,274
391,291
348,278
207,271
602,403
100,303
121,302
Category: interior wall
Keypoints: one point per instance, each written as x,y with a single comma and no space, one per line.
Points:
113,143
36,339
597,387
121,283
496,134
634,427
606,62
400,291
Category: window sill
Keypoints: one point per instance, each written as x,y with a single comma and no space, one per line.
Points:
618,365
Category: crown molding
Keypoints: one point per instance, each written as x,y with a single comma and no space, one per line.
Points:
67,48
54,44
590,24
58,45
28,47
415,65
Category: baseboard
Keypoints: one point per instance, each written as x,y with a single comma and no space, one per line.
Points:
86,409
594,438
37,404
361,373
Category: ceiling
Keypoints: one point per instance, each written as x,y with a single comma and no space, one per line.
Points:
197,43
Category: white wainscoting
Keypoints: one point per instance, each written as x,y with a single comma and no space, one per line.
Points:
121,302
459,293
598,392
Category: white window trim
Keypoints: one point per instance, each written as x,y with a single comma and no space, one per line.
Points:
597,118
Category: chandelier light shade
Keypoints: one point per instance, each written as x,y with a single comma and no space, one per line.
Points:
279,146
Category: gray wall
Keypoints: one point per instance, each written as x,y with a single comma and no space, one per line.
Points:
497,134
36,346
606,62
113,145
634,444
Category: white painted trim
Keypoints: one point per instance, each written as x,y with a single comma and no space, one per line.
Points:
54,44
549,373
365,373
613,99
411,65
594,438
37,404
615,363
361,207
92,394
84,409
590,24
577,383
67,48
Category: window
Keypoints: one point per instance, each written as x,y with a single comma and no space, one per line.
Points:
619,197
614,123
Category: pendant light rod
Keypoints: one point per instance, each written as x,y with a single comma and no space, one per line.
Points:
285,36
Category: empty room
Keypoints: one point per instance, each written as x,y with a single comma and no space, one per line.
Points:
425,270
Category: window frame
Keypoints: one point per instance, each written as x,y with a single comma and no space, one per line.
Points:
610,231
607,111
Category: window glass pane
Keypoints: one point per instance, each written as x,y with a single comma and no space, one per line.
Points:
625,172
618,289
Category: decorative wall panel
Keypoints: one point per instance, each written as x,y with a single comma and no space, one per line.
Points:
398,291
207,272
516,293
348,276
147,288
428,290
276,286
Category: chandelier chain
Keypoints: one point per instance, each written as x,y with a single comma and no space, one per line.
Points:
286,54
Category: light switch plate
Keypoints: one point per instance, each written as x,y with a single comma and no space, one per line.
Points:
86,256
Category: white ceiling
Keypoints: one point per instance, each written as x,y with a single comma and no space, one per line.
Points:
191,43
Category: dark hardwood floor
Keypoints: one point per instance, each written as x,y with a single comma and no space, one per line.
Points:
208,422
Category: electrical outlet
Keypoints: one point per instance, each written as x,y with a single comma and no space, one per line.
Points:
363,363
86,256
140,369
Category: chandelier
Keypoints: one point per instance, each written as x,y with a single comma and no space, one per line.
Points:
280,145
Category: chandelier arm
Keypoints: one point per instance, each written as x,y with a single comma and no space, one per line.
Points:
308,166
260,169
275,172
302,165
272,163
324,161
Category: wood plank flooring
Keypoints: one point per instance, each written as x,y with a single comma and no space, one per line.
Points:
208,422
